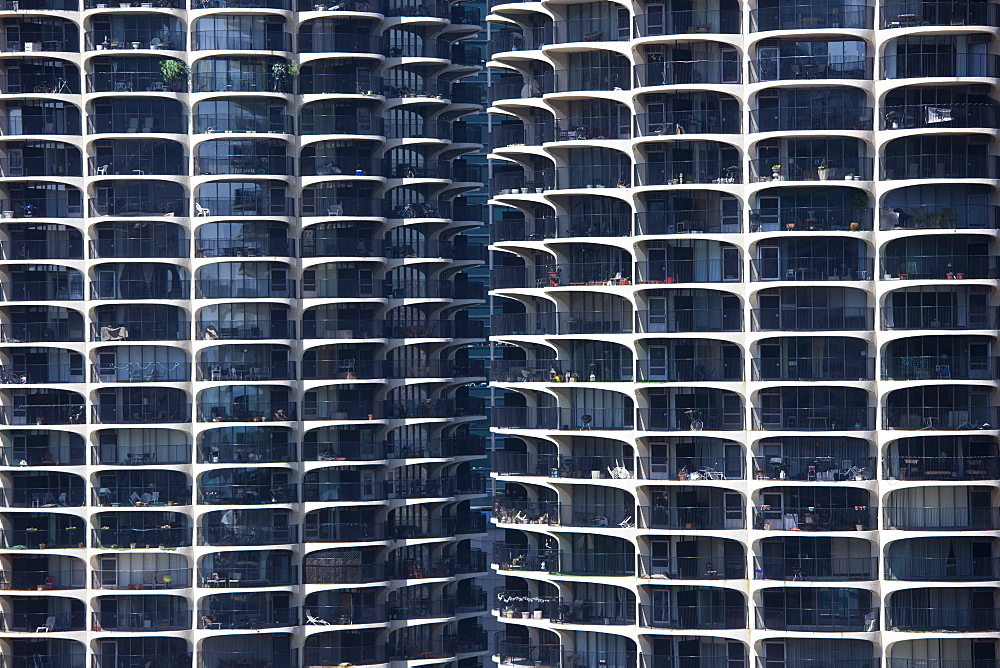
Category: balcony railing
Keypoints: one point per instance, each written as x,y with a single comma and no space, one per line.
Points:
570,274
927,65
822,468
937,619
166,411
939,317
134,38
243,123
939,116
247,288
959,216
40,332
941,518
30,290
247,247
695,121
241,40
128,122
141,455
601,77
713,169
316,657
241,81
30,622
814,368
813,518
812,318
247,535
671,72
809,68
127,289
23,374
810,17
589,370
42,539
702,616
158,492
842,619
245,617
123,578
794,118
708,220
814,419
687,419
940,166
687,21
703,517
260,328
901,15
691,568
345,532
169,247
251,494
138,207
269,576
941,416
571,419
22,579
244,164
555,324
812,269
705,467
247,206
262,450
937,367
140,371
44,414
942,569
276,411
517,653
142,538
808,169
124,81
289,658
816,569
918,467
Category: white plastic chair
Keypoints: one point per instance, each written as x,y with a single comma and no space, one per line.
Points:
202,211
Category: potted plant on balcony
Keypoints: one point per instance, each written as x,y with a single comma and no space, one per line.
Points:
823,171
174,73
283,74
775,172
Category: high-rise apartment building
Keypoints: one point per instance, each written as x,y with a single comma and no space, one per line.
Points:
233,331
750,274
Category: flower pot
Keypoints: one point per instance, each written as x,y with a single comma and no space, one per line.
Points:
859,527
960,275
849,177
767,526
854,227
789,226
539,190
949,275
41,546
824,174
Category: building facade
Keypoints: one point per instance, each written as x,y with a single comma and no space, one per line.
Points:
216,216
750,283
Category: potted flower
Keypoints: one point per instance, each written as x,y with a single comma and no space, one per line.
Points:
775,172
823,171
174,73
849,176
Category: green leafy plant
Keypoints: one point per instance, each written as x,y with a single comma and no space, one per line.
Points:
173,71
283,73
